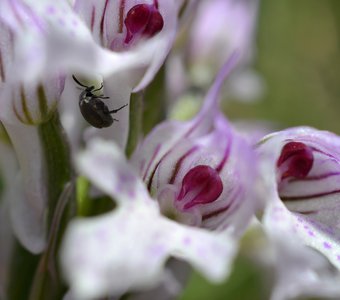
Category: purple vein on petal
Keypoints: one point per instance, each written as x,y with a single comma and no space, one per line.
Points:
326,154
93,14
155,152
15,11
179,163
225,155
102,22
225,208
305,197
33,17
121,16
315,177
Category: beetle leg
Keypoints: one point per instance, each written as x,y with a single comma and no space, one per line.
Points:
116,110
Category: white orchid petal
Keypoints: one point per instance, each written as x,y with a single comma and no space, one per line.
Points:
169,11
115,177
28,206
50,37
106,24
316,194
135,237
300,271
168,135
301,213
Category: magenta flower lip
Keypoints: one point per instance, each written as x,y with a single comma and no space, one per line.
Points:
200,185
143,20
296,160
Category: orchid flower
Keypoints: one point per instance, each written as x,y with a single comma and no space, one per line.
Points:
217,28
199,173
41,43
24,107
120,26
301,172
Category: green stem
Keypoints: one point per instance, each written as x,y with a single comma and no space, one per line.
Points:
154,102
47,283
136,116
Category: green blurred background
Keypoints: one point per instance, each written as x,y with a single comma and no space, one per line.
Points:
299,58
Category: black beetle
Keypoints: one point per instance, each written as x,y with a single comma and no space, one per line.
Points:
93,109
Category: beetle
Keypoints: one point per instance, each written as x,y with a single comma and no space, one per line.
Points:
93,109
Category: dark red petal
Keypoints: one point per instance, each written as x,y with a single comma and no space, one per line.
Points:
296,160
138,18
143,20
201,185
155,24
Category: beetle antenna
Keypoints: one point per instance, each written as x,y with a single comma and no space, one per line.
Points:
116,110
77,81
101,86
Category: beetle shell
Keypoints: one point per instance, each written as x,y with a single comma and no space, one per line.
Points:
95,112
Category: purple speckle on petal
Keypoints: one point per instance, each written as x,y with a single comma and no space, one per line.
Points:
157,250
102,235
132,194
50,10
338,257
187,241
202,252
327,245
311,233
61,22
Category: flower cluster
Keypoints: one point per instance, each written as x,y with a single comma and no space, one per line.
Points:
114,212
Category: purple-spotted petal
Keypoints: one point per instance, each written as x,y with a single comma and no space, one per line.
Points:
299,270
135,237
105,165
301,173
306,163
110,258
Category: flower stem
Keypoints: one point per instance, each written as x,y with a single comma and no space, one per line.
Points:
136,115
47,282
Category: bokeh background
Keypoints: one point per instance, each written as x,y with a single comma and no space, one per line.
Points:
299,58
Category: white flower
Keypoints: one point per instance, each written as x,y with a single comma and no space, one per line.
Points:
126,249
301,170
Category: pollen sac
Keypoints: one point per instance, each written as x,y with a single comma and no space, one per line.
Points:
143,20
296,160
201,185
